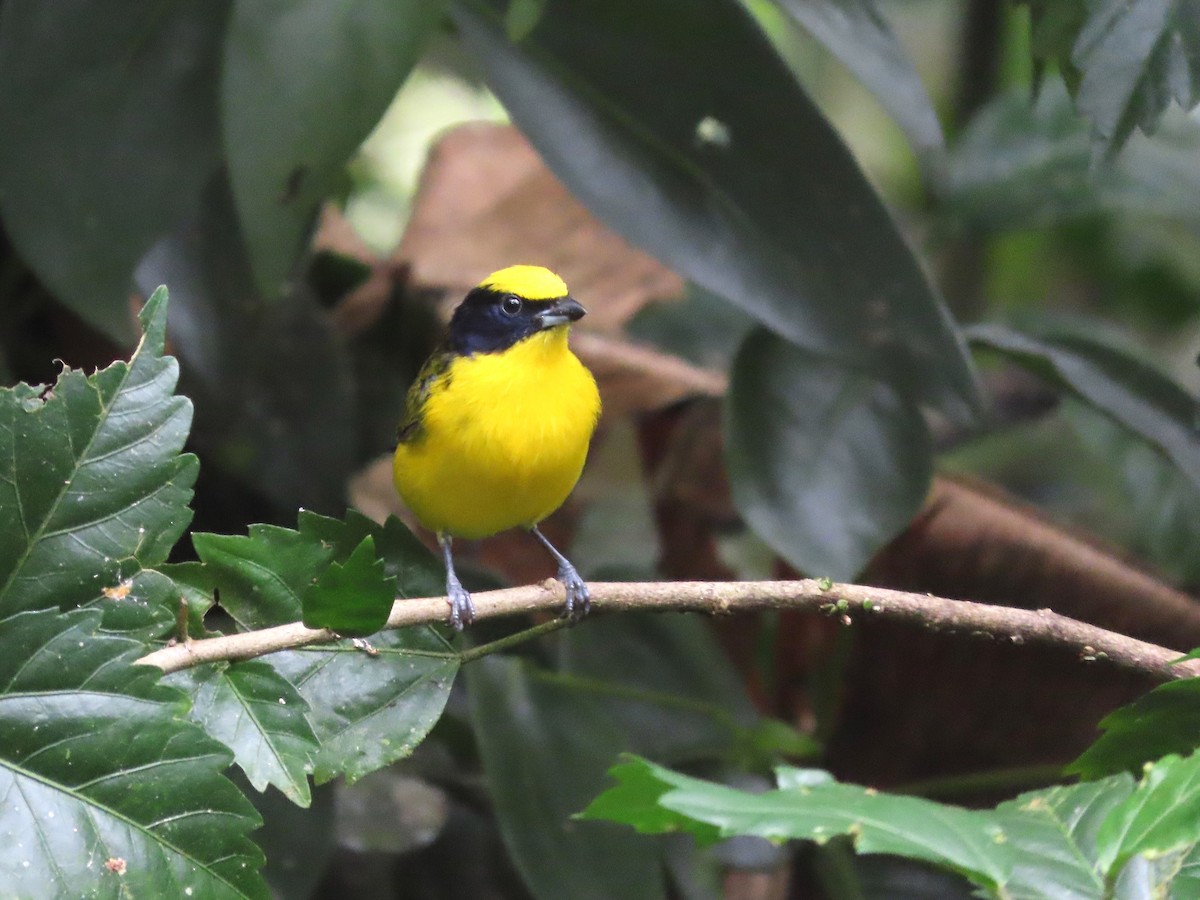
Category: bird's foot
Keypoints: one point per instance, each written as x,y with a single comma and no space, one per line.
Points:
579,600
462,610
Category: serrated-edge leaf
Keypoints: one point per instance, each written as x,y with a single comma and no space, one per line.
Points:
353,598
369,711
91,476
262,719
105,784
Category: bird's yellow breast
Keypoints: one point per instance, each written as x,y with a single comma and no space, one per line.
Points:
502,440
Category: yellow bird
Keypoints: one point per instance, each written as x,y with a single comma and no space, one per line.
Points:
498,422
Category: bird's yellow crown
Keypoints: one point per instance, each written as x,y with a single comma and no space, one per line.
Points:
530,282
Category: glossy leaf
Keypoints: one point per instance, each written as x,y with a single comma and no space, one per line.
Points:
263,576
544,750
109,790
109,117
860,37
92,484
302,85
266,576
353,599
258,715
826,463
1131,392
758,202
370,710
1165,720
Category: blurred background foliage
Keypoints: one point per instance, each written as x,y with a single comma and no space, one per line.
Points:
781,214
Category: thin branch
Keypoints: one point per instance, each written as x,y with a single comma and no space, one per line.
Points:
848,602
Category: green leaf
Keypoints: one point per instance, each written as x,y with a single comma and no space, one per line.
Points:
1159,817
302,85
1052,836
714,186
109,117
1165,720
1137,396
100,772
826,463
859,36
258,715
263,577
812,808
370,710
1134,59
544,750
92,484
353,599
1093,840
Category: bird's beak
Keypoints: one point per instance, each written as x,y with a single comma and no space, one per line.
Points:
561,312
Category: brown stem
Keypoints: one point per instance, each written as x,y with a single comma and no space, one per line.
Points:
848,602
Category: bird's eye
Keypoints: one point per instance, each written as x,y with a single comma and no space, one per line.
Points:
511,305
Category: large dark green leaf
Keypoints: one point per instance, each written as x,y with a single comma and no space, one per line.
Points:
1139,397
695,142
258,715
860,37
545,748
109,118
1165,720
92,484
826,463
108,790
271,384
302,85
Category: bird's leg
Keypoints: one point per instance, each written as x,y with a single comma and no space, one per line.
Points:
578,599
462,611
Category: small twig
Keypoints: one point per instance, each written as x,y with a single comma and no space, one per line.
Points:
848,602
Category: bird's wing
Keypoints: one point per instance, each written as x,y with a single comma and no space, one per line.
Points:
434,369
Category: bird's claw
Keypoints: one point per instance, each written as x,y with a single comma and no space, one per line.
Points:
579,600
462,610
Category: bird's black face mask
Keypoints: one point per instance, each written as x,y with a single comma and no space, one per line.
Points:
488,321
